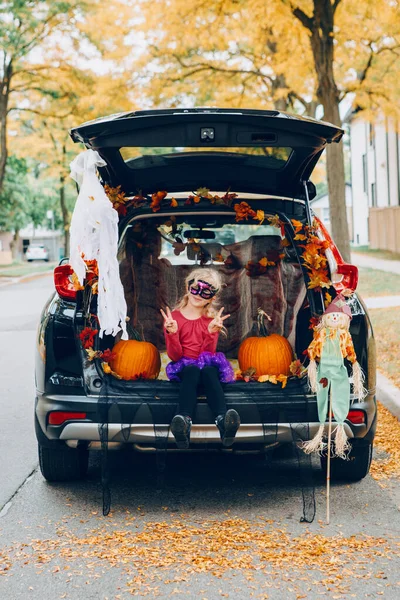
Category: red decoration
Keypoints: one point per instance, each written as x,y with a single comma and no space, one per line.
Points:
87,337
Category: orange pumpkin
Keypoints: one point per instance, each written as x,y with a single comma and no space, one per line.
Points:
135,359
268,354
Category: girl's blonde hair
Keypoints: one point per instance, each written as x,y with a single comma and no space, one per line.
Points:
210,276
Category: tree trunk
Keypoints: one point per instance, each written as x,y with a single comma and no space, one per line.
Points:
65,215
321,27
322,38
64,209
14,245
337,187
4,99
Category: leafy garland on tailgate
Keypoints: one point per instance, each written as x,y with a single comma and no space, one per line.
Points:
314,258
158,200
296,368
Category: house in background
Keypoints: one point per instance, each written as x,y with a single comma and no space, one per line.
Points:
375,176
320,206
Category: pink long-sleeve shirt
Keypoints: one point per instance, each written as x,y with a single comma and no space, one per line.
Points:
191,339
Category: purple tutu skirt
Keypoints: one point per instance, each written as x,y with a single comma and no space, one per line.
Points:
205,359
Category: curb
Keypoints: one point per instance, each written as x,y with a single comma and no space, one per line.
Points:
388,394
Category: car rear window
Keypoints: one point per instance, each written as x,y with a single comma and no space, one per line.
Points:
266,156
212,248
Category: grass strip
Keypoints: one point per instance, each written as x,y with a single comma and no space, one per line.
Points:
386,326
377,283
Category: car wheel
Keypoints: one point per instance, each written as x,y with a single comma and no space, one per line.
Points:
63,464
356,467
30,259
46,260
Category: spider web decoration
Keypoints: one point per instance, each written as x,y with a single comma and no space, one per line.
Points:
125,403
128,403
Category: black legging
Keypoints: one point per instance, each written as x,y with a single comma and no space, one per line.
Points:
191,377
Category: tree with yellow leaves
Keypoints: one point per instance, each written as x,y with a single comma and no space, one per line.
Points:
24,26
46,125
56,87
286,54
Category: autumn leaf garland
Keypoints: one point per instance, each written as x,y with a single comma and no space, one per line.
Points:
313,257
159,199
296,369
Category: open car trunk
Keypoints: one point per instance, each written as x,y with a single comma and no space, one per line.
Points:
261,265
153,267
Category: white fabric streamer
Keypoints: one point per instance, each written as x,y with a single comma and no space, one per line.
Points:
94,233
312,375
358,382
317,443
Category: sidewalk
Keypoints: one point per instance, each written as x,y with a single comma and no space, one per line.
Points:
5,281
380,264
382,301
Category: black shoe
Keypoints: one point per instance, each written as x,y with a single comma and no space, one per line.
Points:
180,428
228,424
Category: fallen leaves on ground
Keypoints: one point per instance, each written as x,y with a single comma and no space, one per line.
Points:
175,551
5,562
387,439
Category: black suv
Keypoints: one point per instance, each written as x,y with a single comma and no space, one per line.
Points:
240,179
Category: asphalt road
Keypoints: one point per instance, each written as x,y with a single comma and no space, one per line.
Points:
212,527
20,308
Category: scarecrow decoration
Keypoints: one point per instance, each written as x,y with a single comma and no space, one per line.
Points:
332,343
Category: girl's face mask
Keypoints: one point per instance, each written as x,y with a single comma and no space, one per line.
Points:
203,289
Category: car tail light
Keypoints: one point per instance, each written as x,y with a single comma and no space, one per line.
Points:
58,417
62,280
350,276
343,275
357,417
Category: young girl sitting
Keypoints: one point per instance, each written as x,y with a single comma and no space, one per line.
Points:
191,336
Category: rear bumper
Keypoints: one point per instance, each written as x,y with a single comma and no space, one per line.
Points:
142,417
250,433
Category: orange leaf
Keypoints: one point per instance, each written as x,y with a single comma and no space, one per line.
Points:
298,225
275,221
75,282
260,216
328,299
244,211
318,280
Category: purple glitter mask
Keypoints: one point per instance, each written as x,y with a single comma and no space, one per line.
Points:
203,289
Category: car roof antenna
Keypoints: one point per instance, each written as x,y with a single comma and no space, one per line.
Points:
307,199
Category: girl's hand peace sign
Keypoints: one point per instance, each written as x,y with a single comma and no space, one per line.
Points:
169,323
218,322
